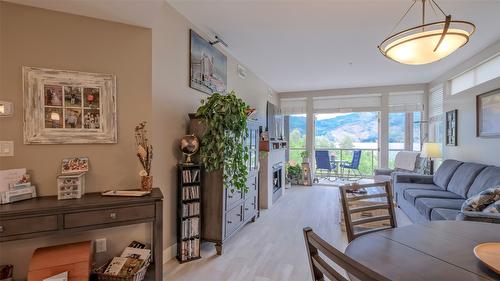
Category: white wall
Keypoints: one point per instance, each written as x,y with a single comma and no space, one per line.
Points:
470,147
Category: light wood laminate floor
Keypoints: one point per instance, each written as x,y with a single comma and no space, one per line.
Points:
273,247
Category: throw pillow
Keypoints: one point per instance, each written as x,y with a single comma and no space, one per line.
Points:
479,202
493,208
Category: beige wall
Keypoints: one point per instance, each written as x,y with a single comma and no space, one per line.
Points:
470,147
171,98
42,38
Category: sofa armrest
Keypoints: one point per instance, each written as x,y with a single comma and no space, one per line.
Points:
412,178
383,172
478,216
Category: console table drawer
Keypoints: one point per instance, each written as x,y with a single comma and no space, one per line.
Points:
27,225
108,216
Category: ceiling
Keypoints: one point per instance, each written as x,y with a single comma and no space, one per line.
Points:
297,45
312,45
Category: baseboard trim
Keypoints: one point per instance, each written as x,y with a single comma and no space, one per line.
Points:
169,253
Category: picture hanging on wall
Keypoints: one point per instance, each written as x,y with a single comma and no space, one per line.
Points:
208,66
451,127
68,107
488,114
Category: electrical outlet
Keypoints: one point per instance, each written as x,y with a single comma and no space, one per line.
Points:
100,245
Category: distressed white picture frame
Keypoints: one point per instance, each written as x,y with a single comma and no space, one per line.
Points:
35,131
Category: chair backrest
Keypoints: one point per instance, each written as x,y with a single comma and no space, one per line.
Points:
357,206
320,268
323,160
356,158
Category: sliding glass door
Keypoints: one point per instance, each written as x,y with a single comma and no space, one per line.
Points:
342,134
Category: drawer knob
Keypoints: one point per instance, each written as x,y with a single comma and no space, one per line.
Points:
229,222
230,196
238,215
112,216
2,229
246,209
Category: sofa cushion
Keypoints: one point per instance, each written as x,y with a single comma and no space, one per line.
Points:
444,214
463,178
425,205
443,175
412,194
488,178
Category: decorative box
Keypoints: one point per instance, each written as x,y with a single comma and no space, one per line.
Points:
70,186
75,258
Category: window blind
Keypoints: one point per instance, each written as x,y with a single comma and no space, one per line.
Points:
293,106
436,102
406,101
346,103
482,73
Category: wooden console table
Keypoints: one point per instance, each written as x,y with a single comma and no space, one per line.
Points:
46,215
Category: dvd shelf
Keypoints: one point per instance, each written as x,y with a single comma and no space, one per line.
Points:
189,212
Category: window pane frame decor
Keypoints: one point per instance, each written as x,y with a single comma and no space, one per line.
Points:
451,127
484,101
68,107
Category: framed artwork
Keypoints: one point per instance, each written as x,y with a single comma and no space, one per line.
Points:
488,114
68,107
74,165
208,66
451,127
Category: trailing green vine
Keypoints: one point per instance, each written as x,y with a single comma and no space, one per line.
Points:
222,144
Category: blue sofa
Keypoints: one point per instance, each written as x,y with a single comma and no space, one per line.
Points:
440,197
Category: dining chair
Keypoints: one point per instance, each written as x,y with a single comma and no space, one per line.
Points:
321,268
365,212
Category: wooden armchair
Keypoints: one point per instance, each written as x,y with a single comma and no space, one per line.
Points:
320,268
372,208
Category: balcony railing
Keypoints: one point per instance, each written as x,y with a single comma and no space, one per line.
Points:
342,156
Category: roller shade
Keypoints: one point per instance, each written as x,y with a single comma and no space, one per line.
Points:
293,106
406,101
346,103
436,103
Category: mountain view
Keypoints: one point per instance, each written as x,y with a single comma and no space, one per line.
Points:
356,127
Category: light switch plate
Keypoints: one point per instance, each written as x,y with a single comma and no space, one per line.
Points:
6,148
6,109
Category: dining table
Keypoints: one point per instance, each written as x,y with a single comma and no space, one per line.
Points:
431,251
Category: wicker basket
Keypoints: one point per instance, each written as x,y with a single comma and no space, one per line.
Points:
138,276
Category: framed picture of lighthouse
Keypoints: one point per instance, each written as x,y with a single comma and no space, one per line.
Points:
208,66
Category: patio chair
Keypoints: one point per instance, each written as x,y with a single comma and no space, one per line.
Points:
354,165
324,163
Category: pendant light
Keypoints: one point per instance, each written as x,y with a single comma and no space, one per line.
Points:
428,42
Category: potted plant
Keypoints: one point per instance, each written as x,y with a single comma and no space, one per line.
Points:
305,156
293,172
225,127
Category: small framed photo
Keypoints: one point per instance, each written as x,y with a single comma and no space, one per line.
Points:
91,97
52,95
75,165
72,96
53,118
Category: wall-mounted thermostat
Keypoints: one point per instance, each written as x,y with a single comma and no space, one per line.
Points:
6,109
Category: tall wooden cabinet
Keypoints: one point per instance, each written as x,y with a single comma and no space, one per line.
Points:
224,212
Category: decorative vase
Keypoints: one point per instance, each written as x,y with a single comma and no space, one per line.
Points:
147,183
